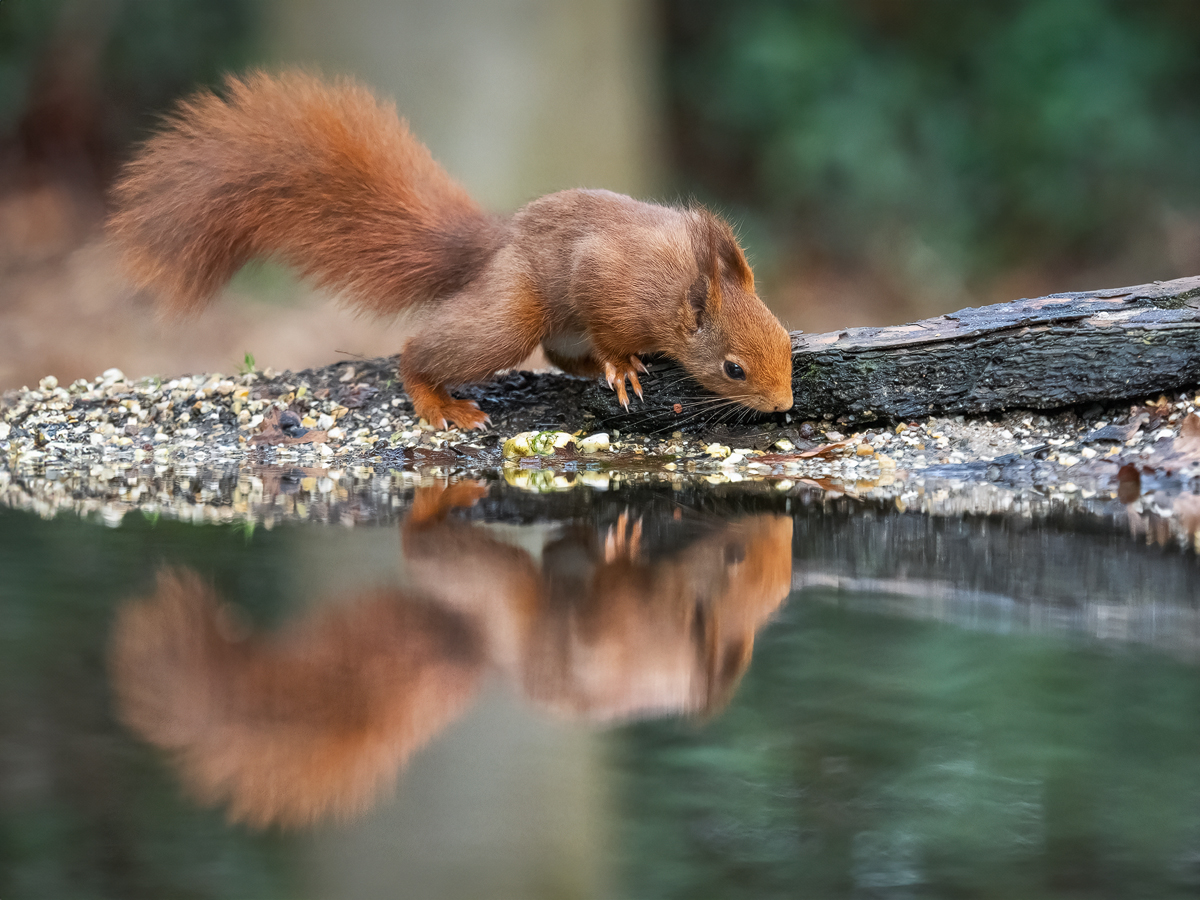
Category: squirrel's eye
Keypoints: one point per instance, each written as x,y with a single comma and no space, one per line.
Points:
734,371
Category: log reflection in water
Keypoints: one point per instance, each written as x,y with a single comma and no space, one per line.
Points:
1060,574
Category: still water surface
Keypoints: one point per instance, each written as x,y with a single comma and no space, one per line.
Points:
641,695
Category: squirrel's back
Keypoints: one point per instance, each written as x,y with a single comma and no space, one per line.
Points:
322,176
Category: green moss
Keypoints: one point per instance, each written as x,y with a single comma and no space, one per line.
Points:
1179,301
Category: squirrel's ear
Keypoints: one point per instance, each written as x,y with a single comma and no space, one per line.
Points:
704,295
703,301
735,262
718,257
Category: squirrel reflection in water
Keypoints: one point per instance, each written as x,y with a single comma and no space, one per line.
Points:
317,719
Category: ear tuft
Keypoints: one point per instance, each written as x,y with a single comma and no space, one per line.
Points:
718,257
726,249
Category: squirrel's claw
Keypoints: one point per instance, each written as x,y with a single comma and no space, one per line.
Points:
615,378
635,384
622,541
616,381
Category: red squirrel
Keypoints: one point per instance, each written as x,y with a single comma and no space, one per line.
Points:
317,717
327,178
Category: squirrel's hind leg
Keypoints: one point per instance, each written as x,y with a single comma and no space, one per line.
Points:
464,340
433,403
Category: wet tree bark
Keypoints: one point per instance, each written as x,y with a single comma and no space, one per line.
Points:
1044,353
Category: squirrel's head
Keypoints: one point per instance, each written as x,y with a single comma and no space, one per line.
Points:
735,347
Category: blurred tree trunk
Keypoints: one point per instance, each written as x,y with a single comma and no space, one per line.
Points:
517,98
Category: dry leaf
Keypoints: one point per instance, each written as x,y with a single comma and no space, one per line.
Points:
283,427
1187,511
825,450
1177,454
1129,484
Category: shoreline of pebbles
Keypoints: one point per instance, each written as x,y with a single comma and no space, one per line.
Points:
313,445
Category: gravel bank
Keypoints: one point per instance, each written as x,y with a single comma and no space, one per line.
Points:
324,433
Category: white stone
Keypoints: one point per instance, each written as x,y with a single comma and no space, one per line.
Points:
597,481
519,444
594,443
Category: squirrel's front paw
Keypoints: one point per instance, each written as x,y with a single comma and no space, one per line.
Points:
616,373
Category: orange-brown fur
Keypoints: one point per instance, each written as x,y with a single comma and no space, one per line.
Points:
318,718
290,728
597,629
329,179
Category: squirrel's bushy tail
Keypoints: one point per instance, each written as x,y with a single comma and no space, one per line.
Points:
320,175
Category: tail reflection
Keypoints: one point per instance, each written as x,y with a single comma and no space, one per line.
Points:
317,719
289,727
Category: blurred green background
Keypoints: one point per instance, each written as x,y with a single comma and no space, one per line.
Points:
883,160
946,139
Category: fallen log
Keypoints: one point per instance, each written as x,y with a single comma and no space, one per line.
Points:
1045,353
